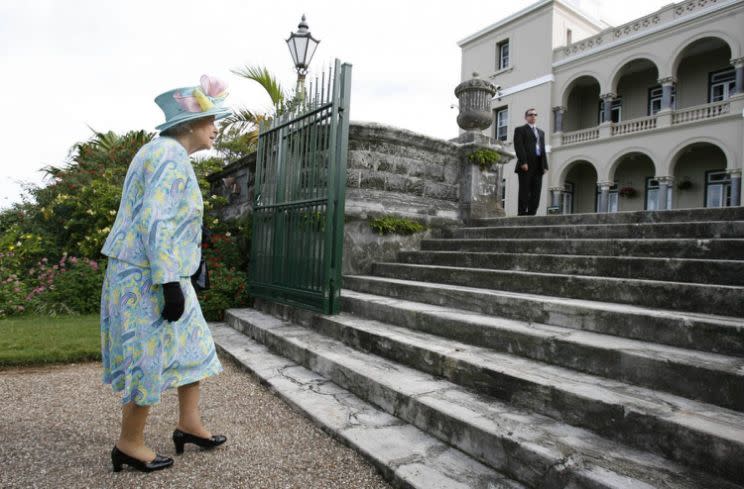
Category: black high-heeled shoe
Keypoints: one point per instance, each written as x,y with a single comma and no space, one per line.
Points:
119,458
180,438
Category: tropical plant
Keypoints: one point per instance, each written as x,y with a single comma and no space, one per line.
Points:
241,128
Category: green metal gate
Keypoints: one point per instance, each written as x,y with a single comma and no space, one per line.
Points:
298,210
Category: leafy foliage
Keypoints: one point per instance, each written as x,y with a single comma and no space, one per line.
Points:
484,157
395,225
51,241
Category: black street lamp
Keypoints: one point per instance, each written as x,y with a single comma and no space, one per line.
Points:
302,46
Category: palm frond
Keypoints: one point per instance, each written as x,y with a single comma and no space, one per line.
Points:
262,76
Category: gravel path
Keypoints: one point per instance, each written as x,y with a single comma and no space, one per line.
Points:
58,424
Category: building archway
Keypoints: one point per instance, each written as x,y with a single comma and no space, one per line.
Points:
700,176
637,88
581,113
633,176
579,188
703,72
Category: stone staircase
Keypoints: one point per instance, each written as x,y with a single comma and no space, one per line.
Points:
579,351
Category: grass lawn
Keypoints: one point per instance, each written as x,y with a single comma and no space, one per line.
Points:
34,340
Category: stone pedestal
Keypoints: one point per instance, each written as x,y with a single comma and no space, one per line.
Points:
480,189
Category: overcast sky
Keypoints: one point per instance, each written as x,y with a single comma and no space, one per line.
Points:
68,65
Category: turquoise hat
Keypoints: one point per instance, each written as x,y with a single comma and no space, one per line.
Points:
190,103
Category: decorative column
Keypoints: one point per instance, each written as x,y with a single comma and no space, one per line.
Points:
558,118
665,184
735,174
556,204
605,128
604,196
667,86
739,67
608,98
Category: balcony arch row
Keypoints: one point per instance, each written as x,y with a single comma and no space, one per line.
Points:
707,68
698,173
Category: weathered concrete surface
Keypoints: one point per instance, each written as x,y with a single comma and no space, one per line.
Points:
531,448
723,249
718,379
709,299
406,456
704,230
702,271
672,215
685,330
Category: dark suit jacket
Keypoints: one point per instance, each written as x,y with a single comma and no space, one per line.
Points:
524,146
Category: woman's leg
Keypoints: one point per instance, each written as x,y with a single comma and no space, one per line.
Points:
189,418
132,437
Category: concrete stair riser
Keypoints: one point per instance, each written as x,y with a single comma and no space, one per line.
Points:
708,299
533,464
700,230
684,375
716,335
686,215
406,456
709,249
724,272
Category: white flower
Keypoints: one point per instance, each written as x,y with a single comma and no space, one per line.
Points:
228,234
113,213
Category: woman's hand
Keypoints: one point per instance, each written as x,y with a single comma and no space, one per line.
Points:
174,301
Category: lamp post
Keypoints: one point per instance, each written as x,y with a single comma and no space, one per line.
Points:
302,46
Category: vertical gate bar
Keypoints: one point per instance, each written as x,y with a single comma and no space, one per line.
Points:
328,280
341,152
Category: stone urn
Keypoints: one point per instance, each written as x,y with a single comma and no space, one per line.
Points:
475,103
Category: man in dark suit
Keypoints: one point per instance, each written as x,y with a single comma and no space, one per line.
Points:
529,144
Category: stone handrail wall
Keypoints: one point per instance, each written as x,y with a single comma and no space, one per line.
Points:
666,15
701,112
580,136
634,125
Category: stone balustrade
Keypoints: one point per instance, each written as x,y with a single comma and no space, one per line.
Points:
701,112
634,125
580,136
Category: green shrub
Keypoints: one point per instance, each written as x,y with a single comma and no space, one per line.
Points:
484,157
395,225
71,286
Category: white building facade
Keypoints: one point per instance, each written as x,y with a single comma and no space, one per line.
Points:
646,115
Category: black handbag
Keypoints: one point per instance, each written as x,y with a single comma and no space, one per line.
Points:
200,280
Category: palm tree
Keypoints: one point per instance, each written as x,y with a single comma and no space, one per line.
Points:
241,128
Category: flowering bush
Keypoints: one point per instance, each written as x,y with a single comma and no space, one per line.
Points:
227,260
71,286
627,192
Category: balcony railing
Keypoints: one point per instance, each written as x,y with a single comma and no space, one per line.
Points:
634,125
643,124
701,112
580,136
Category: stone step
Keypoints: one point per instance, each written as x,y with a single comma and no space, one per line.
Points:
724,300
532,448
706,377
723,272
405,455
631,217
717,334
700,230
720,249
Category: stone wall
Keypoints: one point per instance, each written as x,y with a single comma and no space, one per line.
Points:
391,171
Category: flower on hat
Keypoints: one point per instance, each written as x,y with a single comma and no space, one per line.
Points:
203,97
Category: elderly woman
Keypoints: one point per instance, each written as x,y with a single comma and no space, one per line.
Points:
153,333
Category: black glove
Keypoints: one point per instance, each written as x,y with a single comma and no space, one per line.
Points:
174,301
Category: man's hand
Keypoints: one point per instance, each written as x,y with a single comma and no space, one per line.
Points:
524,167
